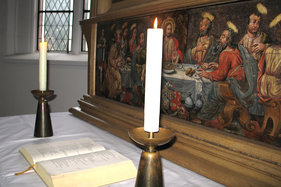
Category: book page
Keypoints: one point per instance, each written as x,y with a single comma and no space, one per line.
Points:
59,149
82,162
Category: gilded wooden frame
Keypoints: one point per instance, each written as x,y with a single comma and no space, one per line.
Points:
225,158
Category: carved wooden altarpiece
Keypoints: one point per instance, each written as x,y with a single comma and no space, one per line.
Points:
244,153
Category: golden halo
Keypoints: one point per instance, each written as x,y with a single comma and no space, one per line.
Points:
208,15
124,25
168,21
275,21
134,25
261,8
232,26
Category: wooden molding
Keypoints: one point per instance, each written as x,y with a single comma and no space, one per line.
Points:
227,159
136,8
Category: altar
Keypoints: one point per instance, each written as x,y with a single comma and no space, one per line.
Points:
18,130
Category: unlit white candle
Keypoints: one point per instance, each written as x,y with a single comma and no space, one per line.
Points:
43,66
153,80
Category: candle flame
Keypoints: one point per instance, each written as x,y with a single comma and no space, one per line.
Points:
155,23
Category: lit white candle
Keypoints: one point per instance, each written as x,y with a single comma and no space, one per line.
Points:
153,79
43,66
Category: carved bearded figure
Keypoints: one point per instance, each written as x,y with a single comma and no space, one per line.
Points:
171,52
204,50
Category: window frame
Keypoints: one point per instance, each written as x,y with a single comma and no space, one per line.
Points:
83,39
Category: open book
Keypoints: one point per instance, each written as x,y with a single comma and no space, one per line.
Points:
79,162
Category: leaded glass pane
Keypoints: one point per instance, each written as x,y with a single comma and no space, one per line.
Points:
87,4
55,24
55,5
87,15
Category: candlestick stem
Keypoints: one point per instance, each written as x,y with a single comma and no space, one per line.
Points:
150,167
43,125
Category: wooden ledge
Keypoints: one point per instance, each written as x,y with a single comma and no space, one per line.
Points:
227,159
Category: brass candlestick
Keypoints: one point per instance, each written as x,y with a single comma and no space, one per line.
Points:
43,125
150,167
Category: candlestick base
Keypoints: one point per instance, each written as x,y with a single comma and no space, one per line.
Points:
43,125
150,167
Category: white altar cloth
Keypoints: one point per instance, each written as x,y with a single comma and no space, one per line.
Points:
16,131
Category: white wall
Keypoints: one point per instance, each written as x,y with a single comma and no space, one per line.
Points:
19,64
